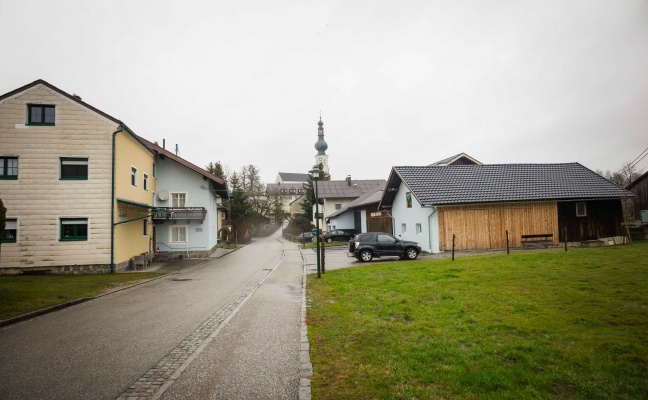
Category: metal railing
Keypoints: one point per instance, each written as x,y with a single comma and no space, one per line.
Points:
186,213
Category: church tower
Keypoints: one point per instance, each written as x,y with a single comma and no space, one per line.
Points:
321,146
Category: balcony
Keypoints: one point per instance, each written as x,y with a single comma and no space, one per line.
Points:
180,213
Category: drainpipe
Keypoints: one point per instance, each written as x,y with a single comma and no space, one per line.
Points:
112,204
430,229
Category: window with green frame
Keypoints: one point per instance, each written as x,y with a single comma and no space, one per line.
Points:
9,168
74,229
41,115
74,168
11,231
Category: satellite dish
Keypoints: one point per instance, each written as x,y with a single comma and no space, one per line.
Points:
163,195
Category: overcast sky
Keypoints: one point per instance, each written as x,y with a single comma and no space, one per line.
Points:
397,82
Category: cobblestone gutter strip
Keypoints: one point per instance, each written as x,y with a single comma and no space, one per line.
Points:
305,365
154,382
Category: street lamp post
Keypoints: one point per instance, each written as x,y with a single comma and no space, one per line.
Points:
315,175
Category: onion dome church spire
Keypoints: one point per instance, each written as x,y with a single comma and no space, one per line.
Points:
321,146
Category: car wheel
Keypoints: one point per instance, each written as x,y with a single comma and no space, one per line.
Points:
366,255
411,253
329,240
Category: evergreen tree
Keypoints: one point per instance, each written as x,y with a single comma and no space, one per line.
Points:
309,186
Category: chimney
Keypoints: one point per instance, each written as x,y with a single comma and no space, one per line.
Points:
348,179
164,144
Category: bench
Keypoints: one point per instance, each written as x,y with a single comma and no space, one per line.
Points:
540,239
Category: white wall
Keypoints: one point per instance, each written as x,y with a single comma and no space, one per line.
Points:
342,221
428,238
202,235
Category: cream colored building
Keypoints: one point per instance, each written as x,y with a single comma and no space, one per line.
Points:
65,212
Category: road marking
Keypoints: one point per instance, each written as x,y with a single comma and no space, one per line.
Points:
154,383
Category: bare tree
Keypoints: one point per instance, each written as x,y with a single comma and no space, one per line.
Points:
624,176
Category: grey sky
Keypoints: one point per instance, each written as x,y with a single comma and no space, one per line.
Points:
397,82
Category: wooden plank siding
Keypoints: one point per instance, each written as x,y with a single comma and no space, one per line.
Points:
603,219
485,226
378,224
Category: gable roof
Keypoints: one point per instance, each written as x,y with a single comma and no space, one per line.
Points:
458,159
61,92
293,177
347,188
216,181
472,184
75,99
371,197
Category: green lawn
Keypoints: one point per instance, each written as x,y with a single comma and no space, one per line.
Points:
533,325
21,294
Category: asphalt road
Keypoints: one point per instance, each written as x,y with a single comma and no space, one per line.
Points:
98,349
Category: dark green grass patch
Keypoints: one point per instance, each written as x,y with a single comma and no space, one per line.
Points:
531,325
26,293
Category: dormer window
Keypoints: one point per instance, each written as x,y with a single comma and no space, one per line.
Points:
41,115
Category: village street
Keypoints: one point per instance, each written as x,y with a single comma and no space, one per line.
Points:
134,341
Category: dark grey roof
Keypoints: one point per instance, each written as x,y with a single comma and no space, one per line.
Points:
342,189
293,177
466,184
371,197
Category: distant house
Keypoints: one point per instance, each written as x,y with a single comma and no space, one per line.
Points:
288,187
77,183
362,215
187,202
479,203
337,194
458,159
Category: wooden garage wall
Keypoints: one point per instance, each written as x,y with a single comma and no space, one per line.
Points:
485,226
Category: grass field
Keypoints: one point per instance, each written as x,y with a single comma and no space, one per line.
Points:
26,293
534,325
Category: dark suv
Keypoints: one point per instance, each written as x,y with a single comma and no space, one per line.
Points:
366,246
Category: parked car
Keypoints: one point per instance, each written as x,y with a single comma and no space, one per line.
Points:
366,246
337,235
306,237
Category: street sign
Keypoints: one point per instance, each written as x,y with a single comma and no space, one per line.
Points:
314,231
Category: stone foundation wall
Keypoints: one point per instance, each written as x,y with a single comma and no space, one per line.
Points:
65,269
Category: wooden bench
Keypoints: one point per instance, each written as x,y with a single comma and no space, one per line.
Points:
540,239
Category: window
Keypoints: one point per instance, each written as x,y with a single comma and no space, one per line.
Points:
338,206
418,229
74,168
179,234
41,115
145,227
178,200
133,176
581,209
154,171
9,168
403,228
74,229
11,231
386,239
146,182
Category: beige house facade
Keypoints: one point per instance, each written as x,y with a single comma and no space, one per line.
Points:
65,212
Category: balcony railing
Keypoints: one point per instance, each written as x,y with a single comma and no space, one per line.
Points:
185,213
